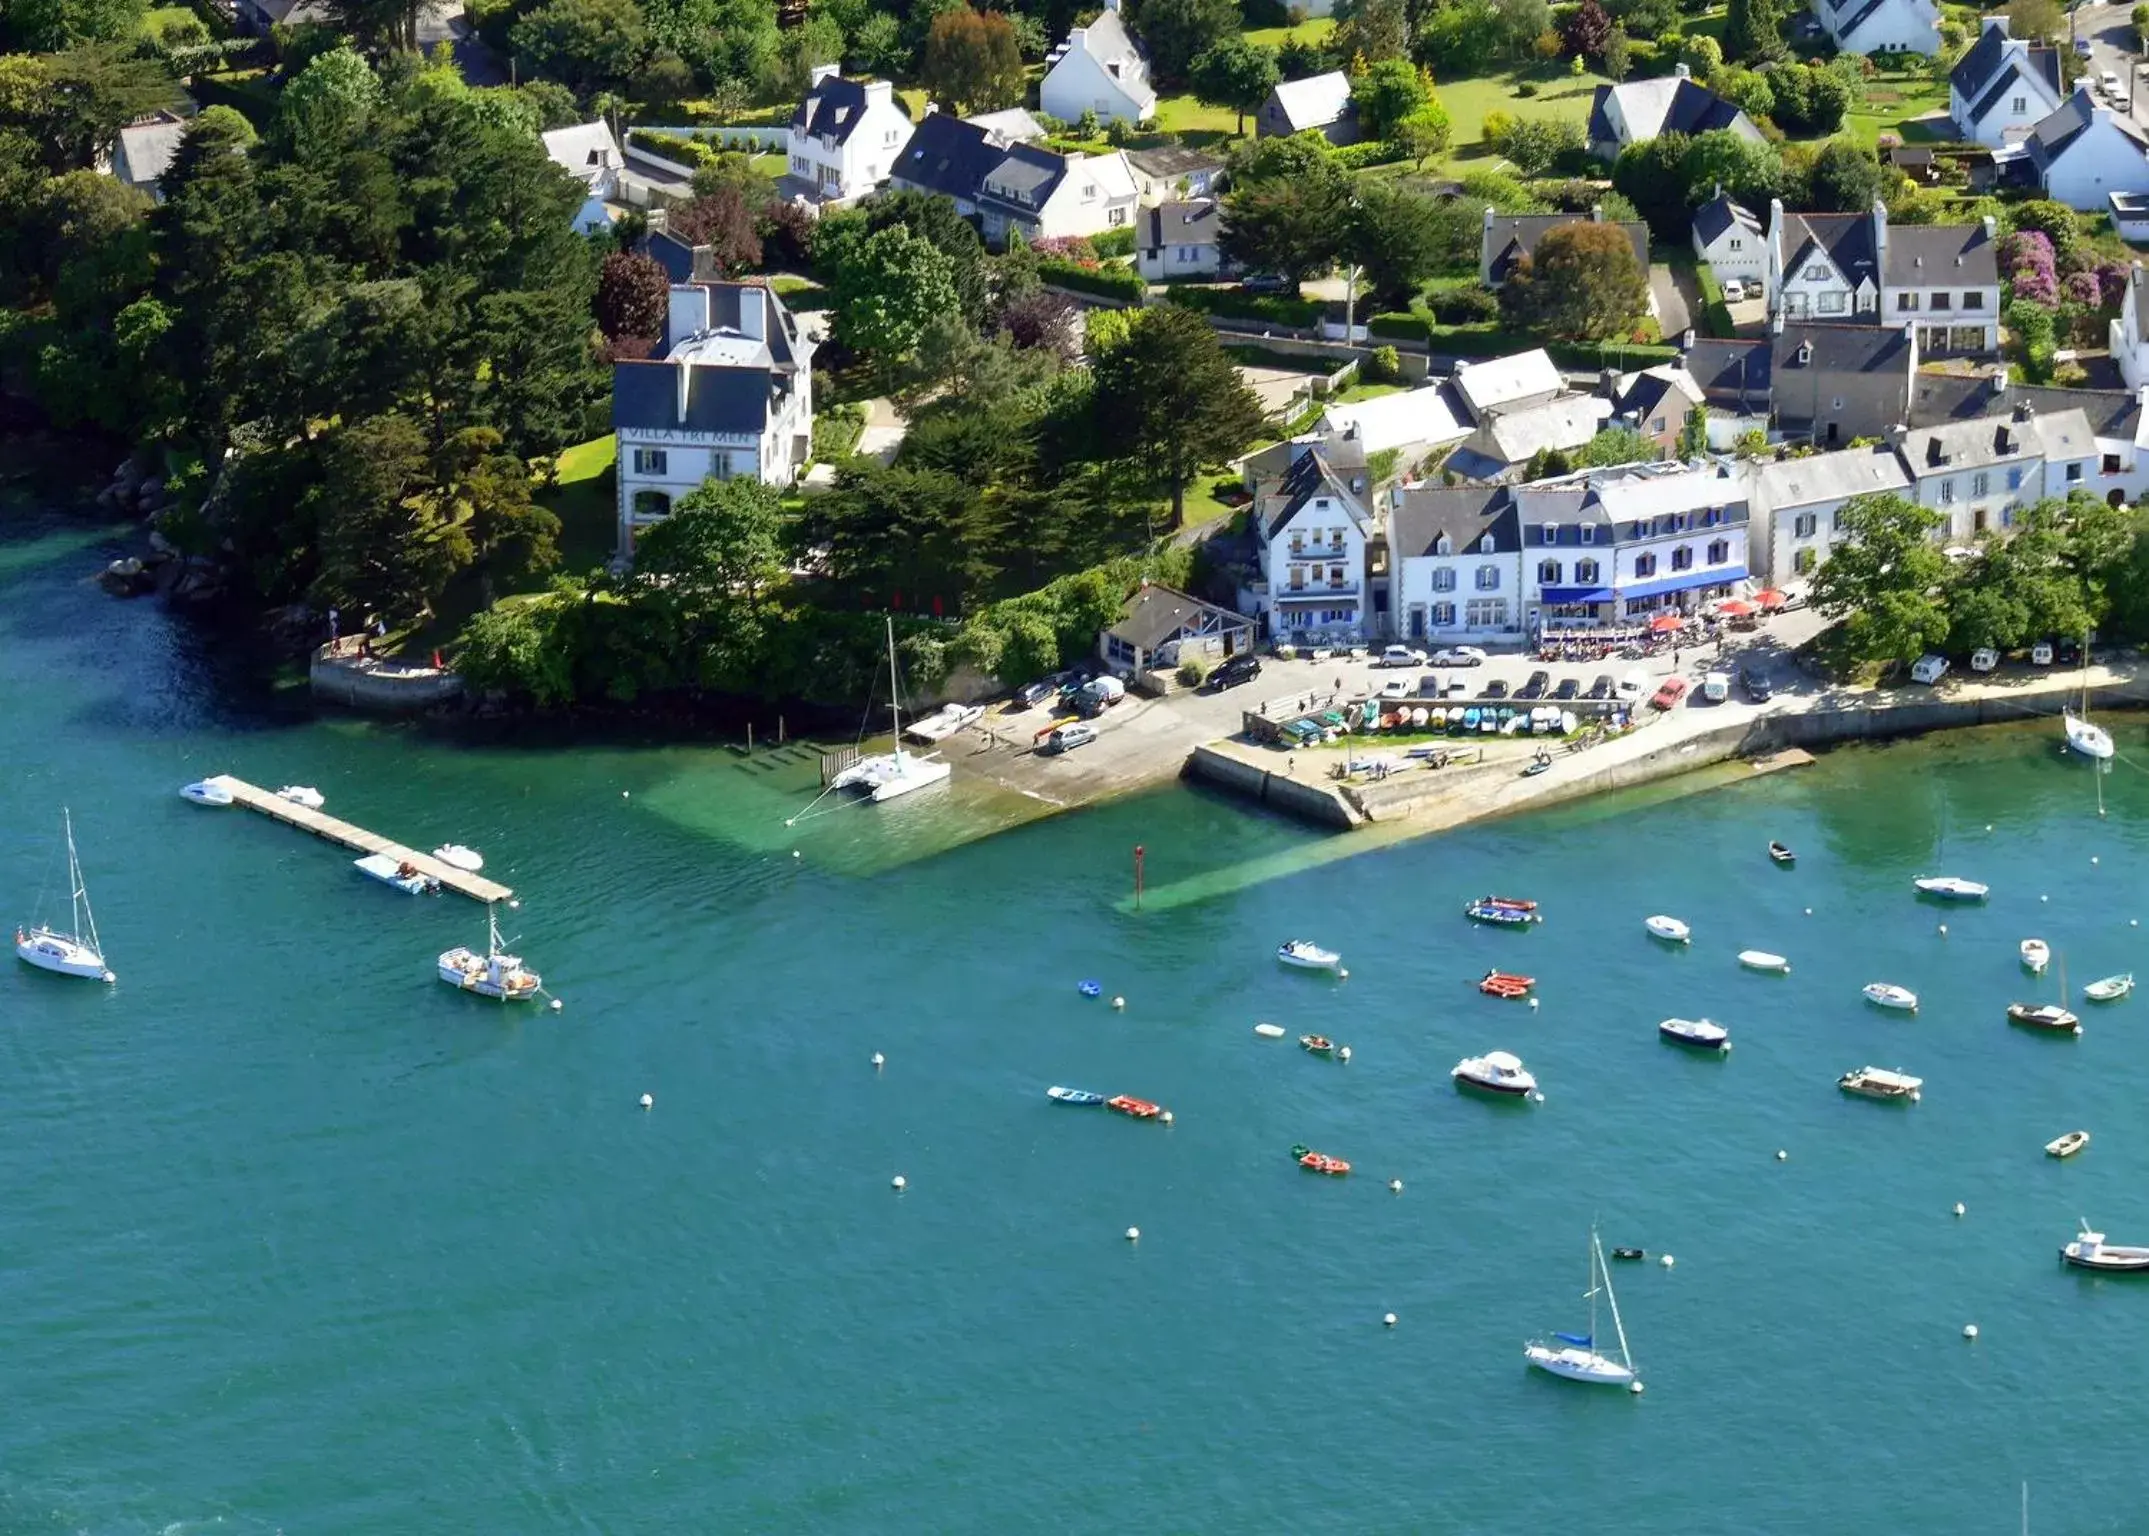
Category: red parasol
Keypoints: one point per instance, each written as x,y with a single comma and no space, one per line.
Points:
1769,598
1665,623
1735,607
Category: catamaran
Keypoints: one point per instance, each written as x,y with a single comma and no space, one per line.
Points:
495,974
885,775
76,952
1575,1355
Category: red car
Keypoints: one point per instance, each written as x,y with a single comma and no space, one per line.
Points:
1668,696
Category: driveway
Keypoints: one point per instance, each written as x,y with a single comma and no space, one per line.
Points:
1678,298
443,21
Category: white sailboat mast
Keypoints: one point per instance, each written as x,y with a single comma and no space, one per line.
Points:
85,921
895,688
1625,1358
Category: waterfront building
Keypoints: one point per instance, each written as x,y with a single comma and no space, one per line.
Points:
1612,547
1456,554
1159,627
1312,531
732,395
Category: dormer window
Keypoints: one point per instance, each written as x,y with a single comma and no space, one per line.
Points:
1443,545
1551,534
1484,545
1805,354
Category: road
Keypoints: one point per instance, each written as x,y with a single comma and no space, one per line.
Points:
2113,46
444,22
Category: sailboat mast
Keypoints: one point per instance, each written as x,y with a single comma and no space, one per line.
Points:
85,921
895,688
1626,1358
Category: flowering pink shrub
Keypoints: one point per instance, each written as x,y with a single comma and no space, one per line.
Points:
1071,248
2112,282
2027,265
2082,288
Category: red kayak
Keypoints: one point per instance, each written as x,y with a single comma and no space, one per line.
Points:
1140,1109
1505,984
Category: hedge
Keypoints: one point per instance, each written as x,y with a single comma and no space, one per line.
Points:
1356,157
674,146
218,54
1715,314
1121,283
1236,303
1113,242
1408,327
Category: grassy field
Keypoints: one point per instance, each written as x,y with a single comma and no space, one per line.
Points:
581,498
1559,94
1194,122
1910,106
1306,32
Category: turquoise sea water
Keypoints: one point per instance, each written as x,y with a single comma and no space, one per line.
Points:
295,1239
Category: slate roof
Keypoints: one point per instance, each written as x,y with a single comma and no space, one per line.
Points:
1106,41
1013,124
1845,239
949,156
1515,436
1315,101
1976,68
834,107
1847,349
1939,397
1501,381
1512,236
1929,255
2036,64
1464,514
1975,444
1168,162
1312,475
1716,217
586,151
1829,477
1431,414
1024,179
150,147
646,395
1195,223
1643,394
1667,104
2053,137
1731,373
1153,614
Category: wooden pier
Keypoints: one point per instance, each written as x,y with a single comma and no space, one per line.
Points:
321,824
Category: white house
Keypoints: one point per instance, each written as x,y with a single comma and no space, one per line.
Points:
1172,173
1318,103
1620,115
1506,383
2003,87
732,396
1730,241
589,153
1413,422
1178,240
1881,26
1098,69
1615,546
2084,151
142,152
1849,268
1797,506
1312,530
1456,555
1047,195
846,136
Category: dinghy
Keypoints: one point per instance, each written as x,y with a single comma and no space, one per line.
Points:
2067,1145
205,793
1498,983
404,877
2111,989
1076,1096
302,794
1504,912
1319,1162
2049,1017
456,856
1317,1045
1139,1109
1696,1032
1886,994
1269,1031
1781,854
1951,888
1307,956
2036,955
1669,929
1762,960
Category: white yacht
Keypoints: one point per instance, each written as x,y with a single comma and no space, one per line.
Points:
1495,1072
1704,1033
456,856
1307,955
885,775
1575,1355
76,952
495,974
2091,1251
2092,741
203,792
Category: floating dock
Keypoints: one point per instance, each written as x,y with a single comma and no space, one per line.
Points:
336,830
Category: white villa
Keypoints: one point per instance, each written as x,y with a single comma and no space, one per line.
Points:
1457,557
2083,152
1852,268
1098,69
1312,530
846,136
1881,26
2003,87
732,396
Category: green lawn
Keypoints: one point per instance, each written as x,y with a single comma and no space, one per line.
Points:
581,498
155,21
1306,32
1910,106
1559,94
1187,117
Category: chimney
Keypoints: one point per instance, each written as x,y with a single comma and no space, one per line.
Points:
1681,71
659,219
1999,382
822,72
1880,239
1686,341
931,106
879,93
754,312
688,314
1596,213
2024,410
1805,354
1608,381
1898,435
1992,225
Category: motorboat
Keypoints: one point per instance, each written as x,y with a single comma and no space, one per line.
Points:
1307,955
302,794
1269,1031
1317,1045
1139,1109
2067,1145
407,878
1504,912
1696,1032
1879,1083
2036,955
1762,960
1886,994
2091,741
1495,1072
1575,1356
1669,929
2111,989
495,974
1081,1097
1951,888
2091,1251
76,951
203,792
945,722
1781,854
2049,1017
456,856
1319,1162
1498,983
883,776
1630,1254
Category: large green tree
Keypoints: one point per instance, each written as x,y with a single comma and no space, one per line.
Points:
1236,75
1292,224
888,287
1582,283
1884,582
1753,31
1846,178
1387,93
972,62
386,547
49,26
587,45
1177,32
1174,398
324,112
1399,238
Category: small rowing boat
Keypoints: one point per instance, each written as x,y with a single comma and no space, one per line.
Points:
407,878
1269,1031
205,793
2048,1017
1762,960
1140,1109
1700,1033
1307,955
2111,989
1951,888
1670,929
1081,1097
1629,1254
1886,994
2067,1145
1497,983
302,794
1503,912
1781,854
1317,1045
2036,955
1319,1162
1880,1083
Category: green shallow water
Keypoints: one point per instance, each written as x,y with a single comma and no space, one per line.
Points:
297,1240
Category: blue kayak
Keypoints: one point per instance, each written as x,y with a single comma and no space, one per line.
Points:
1073,1096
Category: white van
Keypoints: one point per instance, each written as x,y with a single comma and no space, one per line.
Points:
1716,687
1637,685
1929,669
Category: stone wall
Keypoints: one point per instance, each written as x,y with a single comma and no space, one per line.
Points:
379,687
1309,802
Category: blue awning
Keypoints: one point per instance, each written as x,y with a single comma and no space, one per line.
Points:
1579,594
1686,581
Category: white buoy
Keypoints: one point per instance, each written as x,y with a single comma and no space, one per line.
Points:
1958,1207
899,1183
1666,1261
1943,930
1538,1096
2134,922
1388,1319
557,1005
794,853
1809,911
790,821
1342,974
1119,1002
1988,826
2044,898
623,794
879,1061
1343,1054
1134,1234
515,905
1166,1117
2092,858
1396,1185
1969,1330
1635,1387
1782,1156
649,1101
1533,1002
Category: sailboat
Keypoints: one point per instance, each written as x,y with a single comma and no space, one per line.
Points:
885,775
76,952
2092,741
1575,1355
496,973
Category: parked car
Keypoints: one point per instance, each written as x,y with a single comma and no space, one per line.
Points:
1601,688
1459,656
1396,688
1734,291
1043,691
1494,690
1269,282
2041,654
1634,685
1716,687
1399,656
2081,47
2110,81
1757,685
1984,659
1928,669
1242,668
1456,689
1535,687
1067,738
2068,653
1569,688
1668,696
